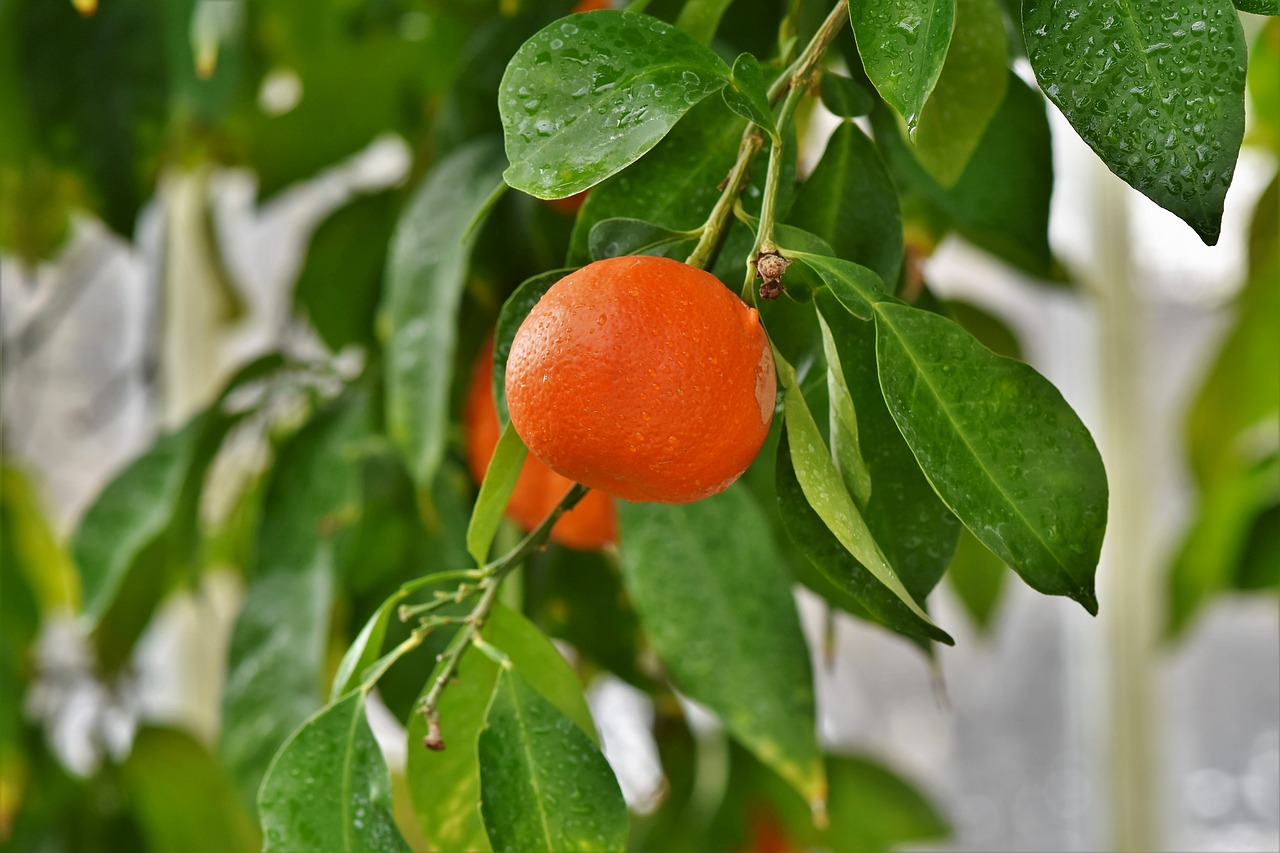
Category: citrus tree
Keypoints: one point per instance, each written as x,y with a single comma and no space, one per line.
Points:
605,252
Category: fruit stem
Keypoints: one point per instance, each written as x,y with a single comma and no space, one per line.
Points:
493,574
791,82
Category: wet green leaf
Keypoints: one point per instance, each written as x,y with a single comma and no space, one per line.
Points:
445,785
544,784
588,95
612,238
719,626
1259,7
499,482
1000,446
970,89
426,272
903,44
1162,104
747,93
328,788
184,802
851,203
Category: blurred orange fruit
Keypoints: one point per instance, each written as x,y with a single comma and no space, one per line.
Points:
642,377
591,524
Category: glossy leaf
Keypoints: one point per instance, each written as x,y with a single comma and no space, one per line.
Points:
719,627
914,527
846,445
499,482
858,288
747,93
426,272
365,648
674,185
1259,7
1156,91
825,493
445,785
977,578
903,44
543,784
587,96
328,789
1000,446
1001,201
341,277
514,310
970,89
612,238
851,203
184,802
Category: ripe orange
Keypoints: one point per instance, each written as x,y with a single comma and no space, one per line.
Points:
569,205
591,524
643,377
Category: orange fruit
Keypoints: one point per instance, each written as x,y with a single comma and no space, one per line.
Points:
569,205
642,377
591,524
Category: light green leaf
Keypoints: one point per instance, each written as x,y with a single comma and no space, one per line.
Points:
499,482
543,784
701,18
851,203
845,444
977,578
328,788
747,93
1000,446
514,310
715,601
445,785
183,801
903,44
586,96
365,648
1162,103
426,272
969,91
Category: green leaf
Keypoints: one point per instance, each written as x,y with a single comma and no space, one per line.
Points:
1259,7
1162,104
1263,86
851,203
969,91
906,517
328,788
426,272
716,603
1001,201
674,185
846,446
586,96
544,785
903,44
499,482
1000,446
857,287
977,577
341,277
445,785
36,554
514,310
843,96
612,238
748,93
184,802
701,18
365,648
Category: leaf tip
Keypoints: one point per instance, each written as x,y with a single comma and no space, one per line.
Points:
1088,599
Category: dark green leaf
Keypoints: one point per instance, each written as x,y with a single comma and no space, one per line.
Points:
543,784
184,802
969,91
586,96
612,238
857,287
426,272
991,331
499,482
1259,7
445,785
748,93
1001,201
977,577
365,648
1000,446
341,277
719,627
328,788
903,44
1259,566
843,96
674,185
850,202
1162,103
514,310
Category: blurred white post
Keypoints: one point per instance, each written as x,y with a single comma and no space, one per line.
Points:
1130,586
